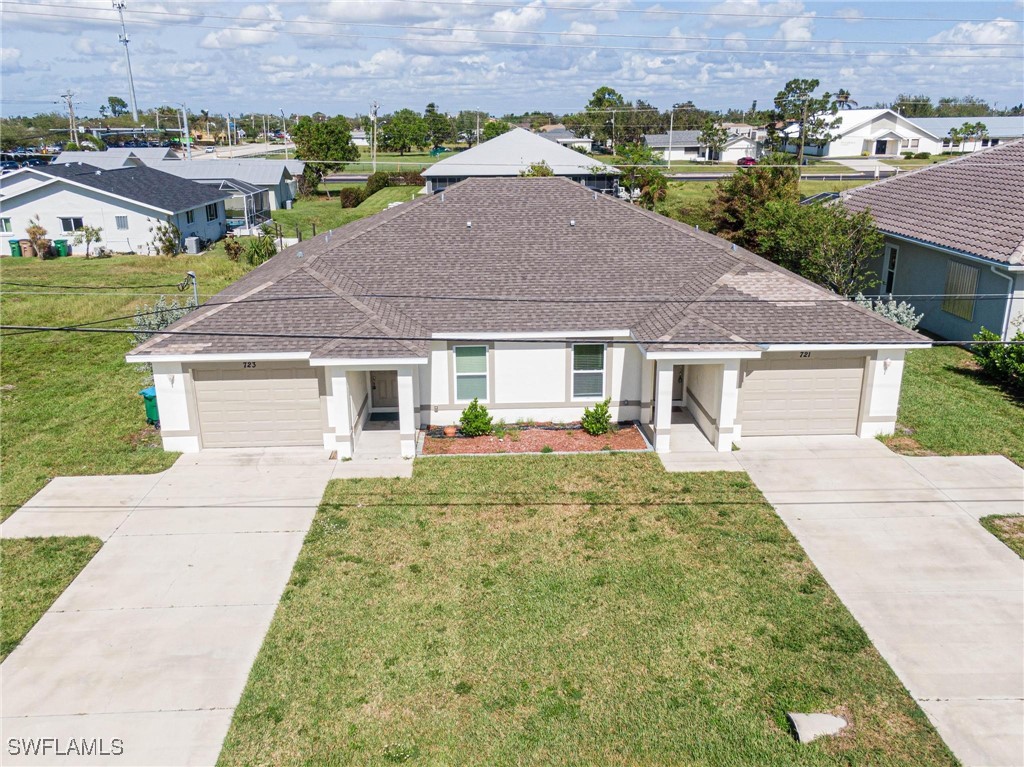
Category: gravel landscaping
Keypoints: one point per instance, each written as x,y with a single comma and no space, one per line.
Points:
541,438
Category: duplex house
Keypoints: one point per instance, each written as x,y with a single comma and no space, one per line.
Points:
538,297
276,178
685,145
511,154
954,240
127,203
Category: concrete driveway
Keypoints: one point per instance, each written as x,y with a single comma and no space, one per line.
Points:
153,642
941,598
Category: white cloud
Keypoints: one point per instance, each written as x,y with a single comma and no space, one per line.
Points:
577,33
10,60
261,33
796,30
998,31
753,13
851,15
735,41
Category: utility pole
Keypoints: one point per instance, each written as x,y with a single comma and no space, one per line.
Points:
373,134
477,129
671,122
188,133
284,128
119,7
229,130
72,128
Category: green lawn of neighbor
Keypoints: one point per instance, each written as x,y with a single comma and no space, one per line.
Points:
35,572
1008,528
563,610
949,407
328,213
70,402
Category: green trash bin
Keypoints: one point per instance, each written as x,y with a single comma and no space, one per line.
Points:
15,248
152,414
61,248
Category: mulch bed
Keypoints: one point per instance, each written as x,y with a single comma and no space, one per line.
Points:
535,439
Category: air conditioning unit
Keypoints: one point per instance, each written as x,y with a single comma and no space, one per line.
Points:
192,246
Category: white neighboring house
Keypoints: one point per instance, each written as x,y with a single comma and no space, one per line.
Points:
686,145
867,133
276,177
126,203
998,130
359,138
567,138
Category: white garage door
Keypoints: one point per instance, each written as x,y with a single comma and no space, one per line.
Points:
816,395
263,406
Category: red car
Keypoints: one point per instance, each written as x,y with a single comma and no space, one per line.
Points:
745,162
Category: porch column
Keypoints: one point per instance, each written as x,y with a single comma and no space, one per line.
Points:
646,393
407,410
339,415
663,406
728,429
178,427
881,396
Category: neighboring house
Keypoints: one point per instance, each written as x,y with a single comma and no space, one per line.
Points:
511,154
359,138
685,145
745,129
538,297
275,177
998,130
116,157
867,133
126,203
568,139
956,231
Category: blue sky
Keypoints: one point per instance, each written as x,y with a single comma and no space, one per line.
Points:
337,56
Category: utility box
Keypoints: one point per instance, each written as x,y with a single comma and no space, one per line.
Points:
152,413
192,246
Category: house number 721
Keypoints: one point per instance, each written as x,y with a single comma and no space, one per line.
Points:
802,354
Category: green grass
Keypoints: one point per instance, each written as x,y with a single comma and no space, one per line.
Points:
949,407
1007,528
70,401
392,161
36,571
328,213
576,610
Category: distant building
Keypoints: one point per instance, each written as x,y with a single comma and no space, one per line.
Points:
568,139
998,130
359,138
685,145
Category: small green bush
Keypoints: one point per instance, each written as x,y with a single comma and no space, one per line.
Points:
260,248
475,421
907,155
1002,362
923,156
547,449
351,197
598,419
376,182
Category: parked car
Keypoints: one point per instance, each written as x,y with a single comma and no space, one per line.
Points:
210,150
8,165
745,162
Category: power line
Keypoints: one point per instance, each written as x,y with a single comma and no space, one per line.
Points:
621,35
558,8
528,44
86,287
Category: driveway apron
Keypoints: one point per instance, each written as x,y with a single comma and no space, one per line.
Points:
898,538
153,642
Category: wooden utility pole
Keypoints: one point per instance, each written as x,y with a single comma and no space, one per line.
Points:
68,97
373,134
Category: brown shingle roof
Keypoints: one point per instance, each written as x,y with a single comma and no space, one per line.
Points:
974,204
541,254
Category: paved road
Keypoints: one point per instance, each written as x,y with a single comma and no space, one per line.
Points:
153,642
941,598
243,150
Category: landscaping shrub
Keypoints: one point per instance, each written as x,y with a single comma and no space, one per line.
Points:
233,247
902,313
907,155
351,197
376,182
923,156
598,419
475,421
383,179
1002,362
260,248
150,319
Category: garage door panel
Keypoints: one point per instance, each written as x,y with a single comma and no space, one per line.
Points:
820,395
266,406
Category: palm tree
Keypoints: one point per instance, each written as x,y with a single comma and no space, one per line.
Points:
843,100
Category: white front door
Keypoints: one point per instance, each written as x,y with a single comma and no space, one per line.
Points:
384,385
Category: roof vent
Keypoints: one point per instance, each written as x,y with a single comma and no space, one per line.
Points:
734,246
469,224
98,172
572,222
442,196
299,254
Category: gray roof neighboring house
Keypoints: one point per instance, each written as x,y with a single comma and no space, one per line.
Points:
563,136
257,172
144,185
996,127
516,255
512,153
116,157
973,204
680,139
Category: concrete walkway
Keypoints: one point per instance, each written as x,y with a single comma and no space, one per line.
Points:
153,642
867,165
941,598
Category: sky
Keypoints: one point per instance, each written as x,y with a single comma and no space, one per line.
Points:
502,56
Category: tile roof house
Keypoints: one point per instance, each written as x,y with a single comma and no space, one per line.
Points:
511,154
537,296
954,232
127,203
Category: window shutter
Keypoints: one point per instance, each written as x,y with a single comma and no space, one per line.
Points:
961,286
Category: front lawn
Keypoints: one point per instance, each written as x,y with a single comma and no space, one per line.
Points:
1007,528
569,610
328,213
36,572
70,402
949,407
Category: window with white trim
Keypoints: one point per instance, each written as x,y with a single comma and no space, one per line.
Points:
588,371
915,143
891,254
69,225
5,225
470,373
211,212
121,222
961,287
190,216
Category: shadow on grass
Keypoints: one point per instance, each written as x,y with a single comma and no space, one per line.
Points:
980,377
